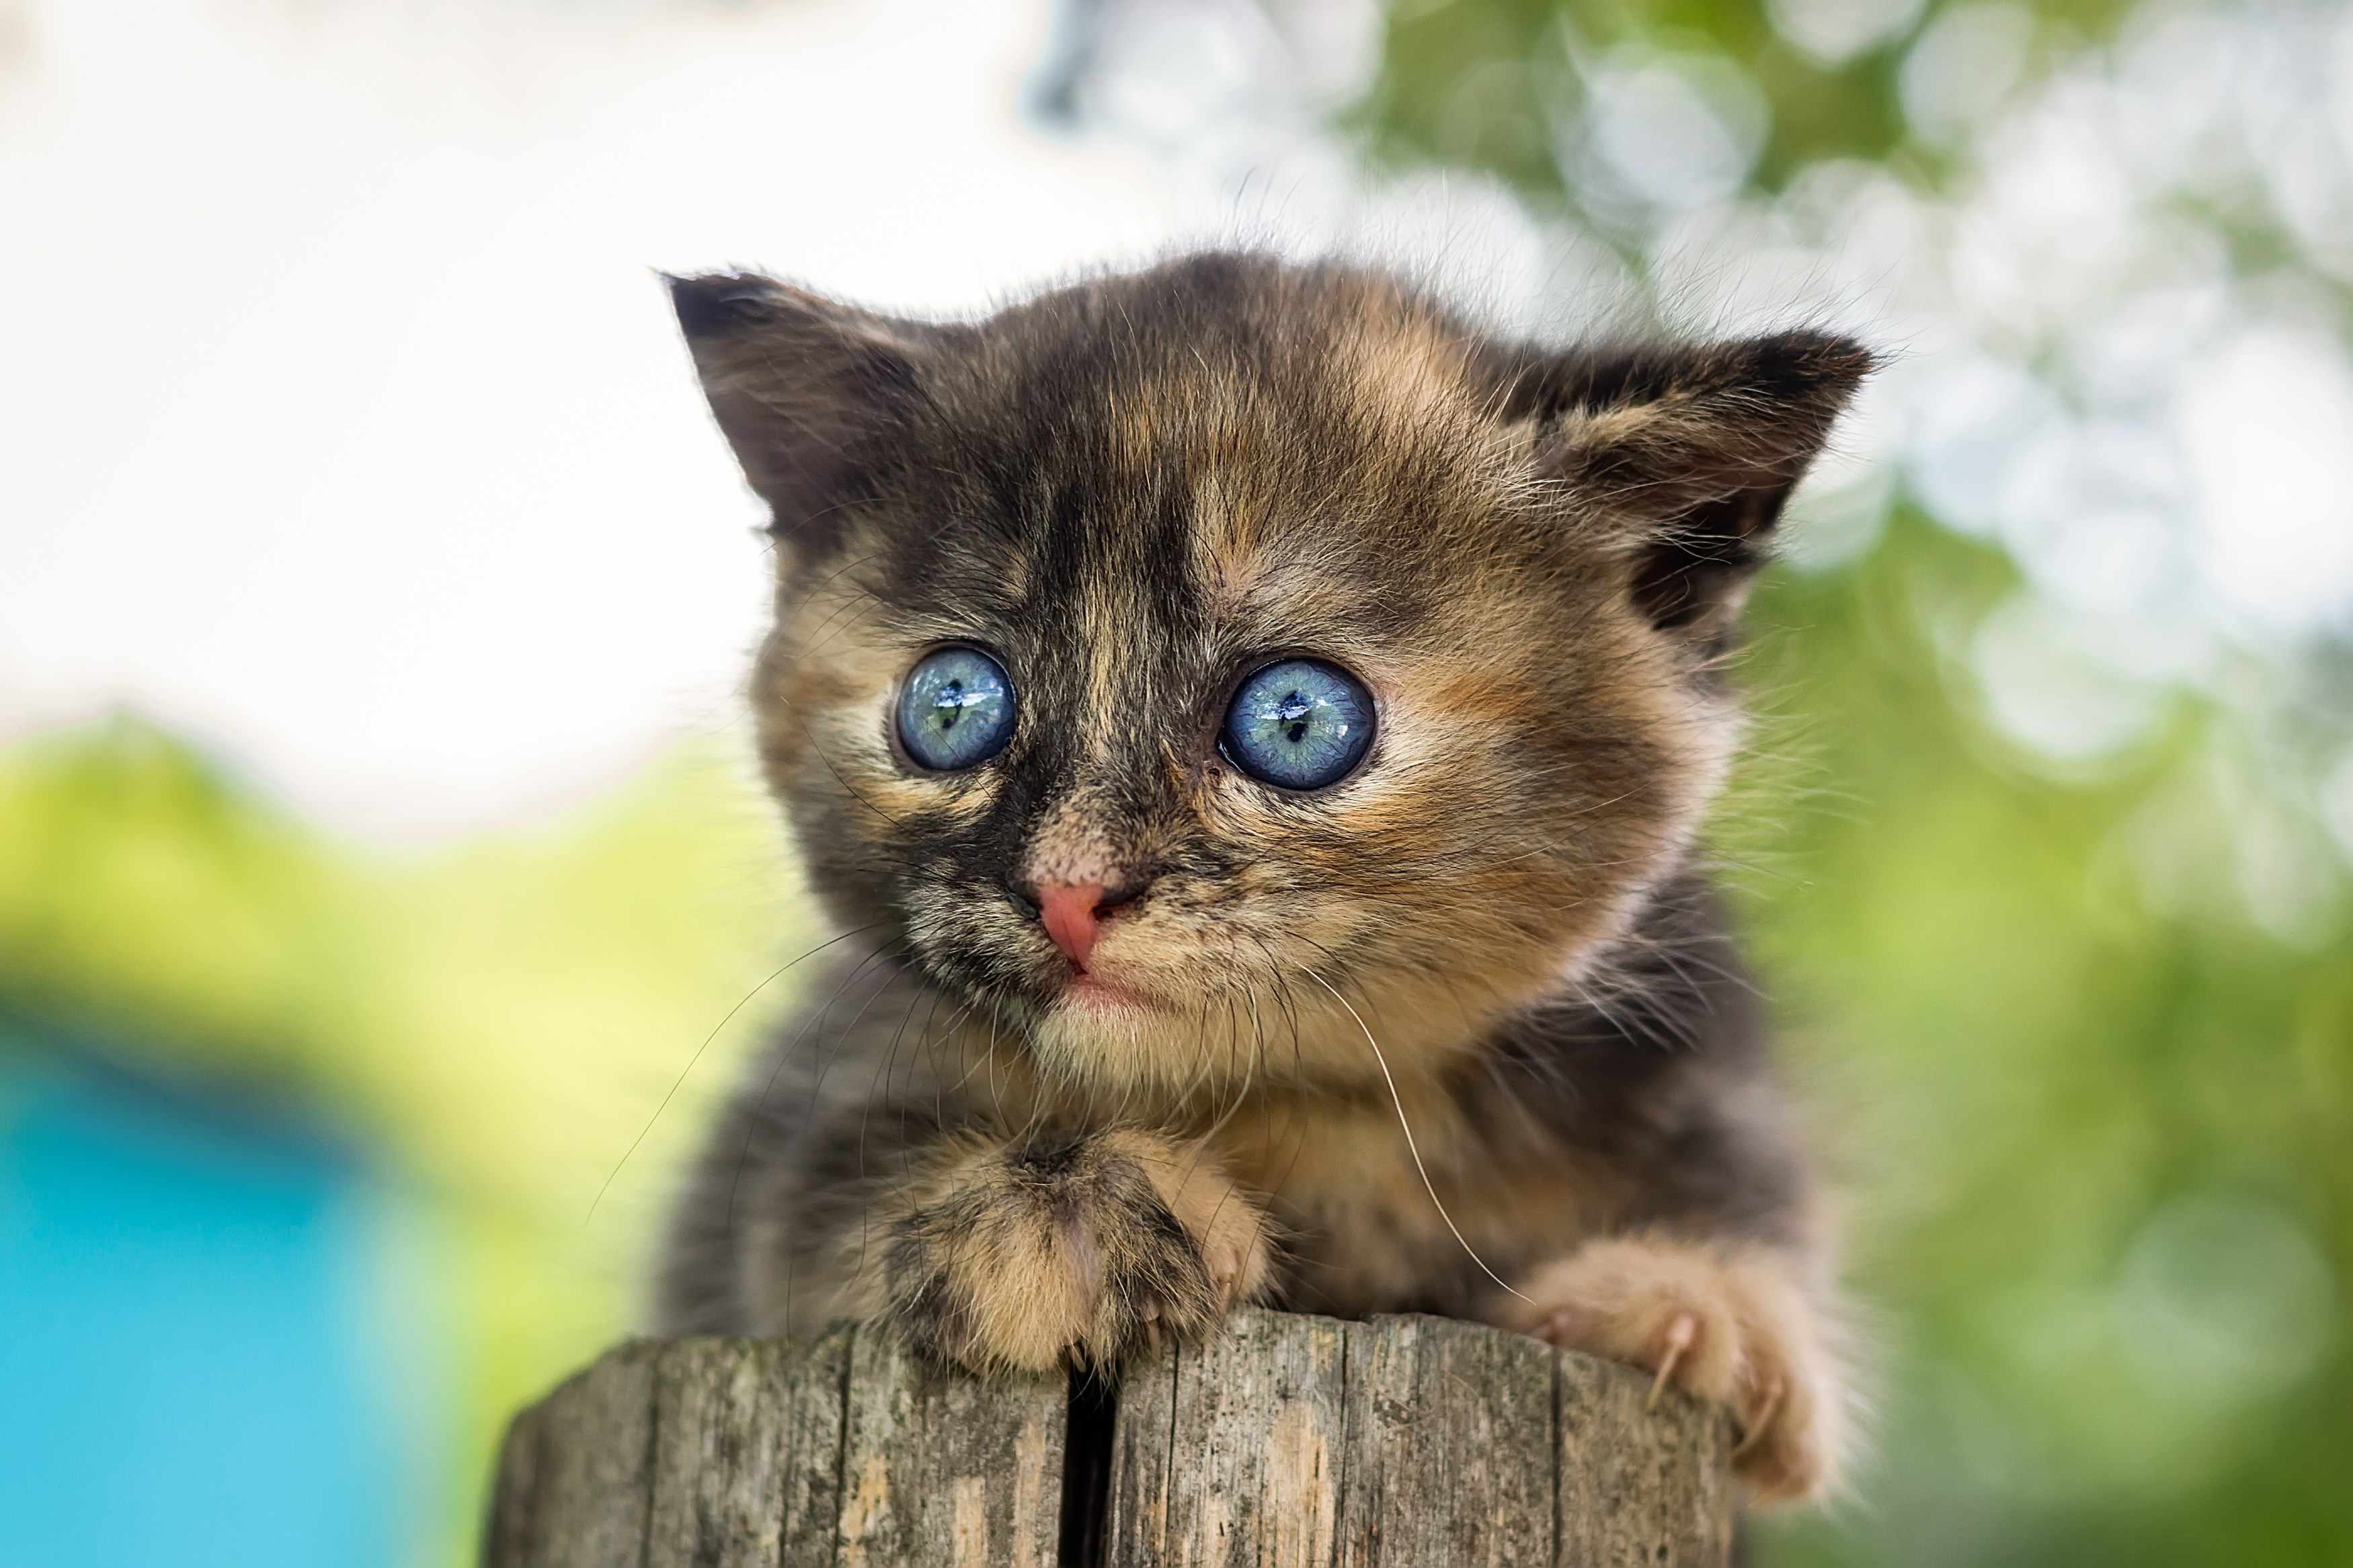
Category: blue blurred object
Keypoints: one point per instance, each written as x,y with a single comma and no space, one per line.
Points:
186,1369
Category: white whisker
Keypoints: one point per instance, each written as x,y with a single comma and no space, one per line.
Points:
1413,1148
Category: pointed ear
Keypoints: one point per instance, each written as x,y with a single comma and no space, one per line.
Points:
806,389
1691,449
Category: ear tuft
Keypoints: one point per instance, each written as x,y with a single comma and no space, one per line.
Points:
1691,450
1655,431
718,304
808,391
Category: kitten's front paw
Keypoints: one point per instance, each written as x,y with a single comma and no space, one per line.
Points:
1027,1255
1732,1329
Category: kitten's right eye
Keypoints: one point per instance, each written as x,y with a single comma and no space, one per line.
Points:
956,710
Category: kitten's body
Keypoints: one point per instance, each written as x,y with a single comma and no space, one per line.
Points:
1457,1033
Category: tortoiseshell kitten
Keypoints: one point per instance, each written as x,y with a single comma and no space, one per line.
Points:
1238,713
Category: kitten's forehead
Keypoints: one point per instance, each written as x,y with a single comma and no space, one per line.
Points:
1211,477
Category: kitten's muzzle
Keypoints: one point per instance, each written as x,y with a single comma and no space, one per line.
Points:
1073,912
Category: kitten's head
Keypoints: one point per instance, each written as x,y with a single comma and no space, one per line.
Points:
1216,669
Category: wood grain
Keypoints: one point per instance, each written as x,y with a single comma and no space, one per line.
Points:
1450,1450
938,1468
1230,1455
746,1469
1639,1486
589,1483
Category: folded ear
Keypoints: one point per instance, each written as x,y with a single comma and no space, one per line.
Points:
806,389
1691,449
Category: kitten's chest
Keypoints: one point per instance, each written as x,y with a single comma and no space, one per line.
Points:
1368,1227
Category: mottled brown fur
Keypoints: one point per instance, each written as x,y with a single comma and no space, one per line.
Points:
1131,492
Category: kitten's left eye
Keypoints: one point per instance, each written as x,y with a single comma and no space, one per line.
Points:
956,710
1299,724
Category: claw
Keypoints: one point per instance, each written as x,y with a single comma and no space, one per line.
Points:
1762,1420
1680,1334
1225,1267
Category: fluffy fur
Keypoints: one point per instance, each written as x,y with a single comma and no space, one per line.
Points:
1462,1033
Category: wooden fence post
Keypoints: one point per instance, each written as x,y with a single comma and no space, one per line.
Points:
1287,1441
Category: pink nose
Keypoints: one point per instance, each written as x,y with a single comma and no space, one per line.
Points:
1069,913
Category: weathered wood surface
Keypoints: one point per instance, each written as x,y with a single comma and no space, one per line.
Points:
1407,1442
723,1454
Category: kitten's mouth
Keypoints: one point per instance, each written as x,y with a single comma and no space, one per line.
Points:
1090,992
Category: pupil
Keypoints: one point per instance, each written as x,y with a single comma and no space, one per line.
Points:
1291,715
950,704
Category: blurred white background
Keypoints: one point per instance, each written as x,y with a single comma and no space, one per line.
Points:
344,420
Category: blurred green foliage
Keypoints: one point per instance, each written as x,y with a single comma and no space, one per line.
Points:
1483,85
1490,84
2093,1145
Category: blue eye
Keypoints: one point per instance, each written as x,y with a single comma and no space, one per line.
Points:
956,710
1301,725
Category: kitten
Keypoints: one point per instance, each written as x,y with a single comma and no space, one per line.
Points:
1248,726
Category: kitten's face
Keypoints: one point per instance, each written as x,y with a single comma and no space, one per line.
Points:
1134,498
